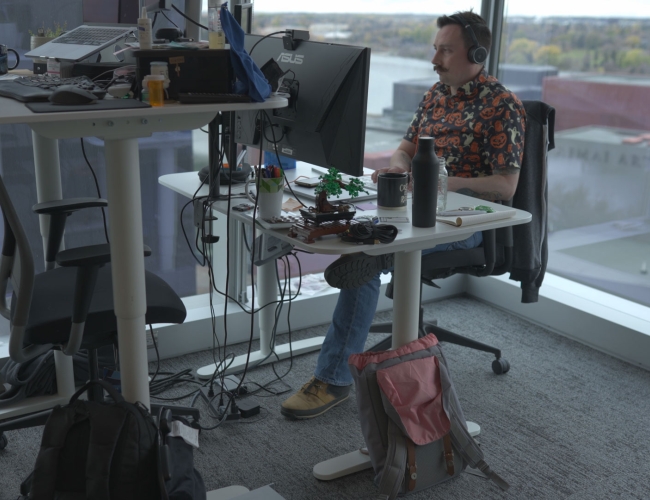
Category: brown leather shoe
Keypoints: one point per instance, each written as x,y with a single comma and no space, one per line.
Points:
314,399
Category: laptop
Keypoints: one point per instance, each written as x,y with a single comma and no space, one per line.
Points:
81,42
308,193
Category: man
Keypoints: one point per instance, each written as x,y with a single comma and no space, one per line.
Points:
478,126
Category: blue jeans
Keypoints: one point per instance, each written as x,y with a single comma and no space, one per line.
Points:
353,315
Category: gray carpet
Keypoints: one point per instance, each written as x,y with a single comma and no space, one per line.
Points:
567,422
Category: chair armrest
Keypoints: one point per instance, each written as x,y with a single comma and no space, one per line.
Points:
93,255
68,206
87,260
59,210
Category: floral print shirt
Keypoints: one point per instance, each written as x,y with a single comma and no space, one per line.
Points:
479,131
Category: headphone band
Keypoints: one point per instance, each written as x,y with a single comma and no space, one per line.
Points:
465,24
477,53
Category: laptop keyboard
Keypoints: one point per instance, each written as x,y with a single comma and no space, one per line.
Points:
91,35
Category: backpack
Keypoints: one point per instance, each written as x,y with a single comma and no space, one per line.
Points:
411,419
121,462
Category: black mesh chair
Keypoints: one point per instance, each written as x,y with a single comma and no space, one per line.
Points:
69,307
519,250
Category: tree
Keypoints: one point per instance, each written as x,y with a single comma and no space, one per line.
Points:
548,54
331,184
521,51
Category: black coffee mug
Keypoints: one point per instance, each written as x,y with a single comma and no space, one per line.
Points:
392,189
4,67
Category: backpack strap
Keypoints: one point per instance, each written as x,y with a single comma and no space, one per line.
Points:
472,454
393,474
56,429
106,424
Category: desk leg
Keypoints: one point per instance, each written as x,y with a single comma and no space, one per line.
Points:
406,311
48,188
127,261
406,297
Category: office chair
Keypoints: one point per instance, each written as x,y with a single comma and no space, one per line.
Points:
521,250
69,307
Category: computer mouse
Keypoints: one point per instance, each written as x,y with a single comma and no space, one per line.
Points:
71,94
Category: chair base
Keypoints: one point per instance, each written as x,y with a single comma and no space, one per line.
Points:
499,365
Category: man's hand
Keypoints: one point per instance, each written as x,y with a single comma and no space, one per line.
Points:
396,170
400,162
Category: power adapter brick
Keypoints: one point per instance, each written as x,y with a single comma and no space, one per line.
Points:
248,407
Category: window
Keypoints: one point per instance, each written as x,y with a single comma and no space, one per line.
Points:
595,71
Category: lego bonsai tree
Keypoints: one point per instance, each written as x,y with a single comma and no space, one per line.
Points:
331,184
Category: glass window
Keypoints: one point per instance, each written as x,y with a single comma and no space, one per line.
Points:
595,71
159,154
400,35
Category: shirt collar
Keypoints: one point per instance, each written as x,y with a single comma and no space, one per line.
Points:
470,87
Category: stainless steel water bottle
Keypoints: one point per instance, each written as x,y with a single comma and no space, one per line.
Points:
424,170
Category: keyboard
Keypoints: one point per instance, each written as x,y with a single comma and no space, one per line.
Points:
52,82
366,180
40,87
210,98
91,35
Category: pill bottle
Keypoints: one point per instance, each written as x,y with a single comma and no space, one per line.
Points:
155,84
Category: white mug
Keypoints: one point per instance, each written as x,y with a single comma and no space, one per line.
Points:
270,192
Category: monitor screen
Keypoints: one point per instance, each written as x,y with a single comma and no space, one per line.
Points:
119,11
325,123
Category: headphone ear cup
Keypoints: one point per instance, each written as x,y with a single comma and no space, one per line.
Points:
477,54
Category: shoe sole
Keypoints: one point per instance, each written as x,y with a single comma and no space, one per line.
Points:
304,415
356,272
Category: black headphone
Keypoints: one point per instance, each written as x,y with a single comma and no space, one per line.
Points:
476,53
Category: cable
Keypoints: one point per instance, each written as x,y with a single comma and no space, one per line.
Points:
188,18
99,194
163,13
155,345
266,36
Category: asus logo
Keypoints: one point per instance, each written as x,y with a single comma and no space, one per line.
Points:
290,58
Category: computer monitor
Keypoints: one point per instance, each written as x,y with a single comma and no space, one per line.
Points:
325,123
128,11
244,16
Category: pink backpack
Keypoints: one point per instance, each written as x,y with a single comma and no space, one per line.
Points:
411,419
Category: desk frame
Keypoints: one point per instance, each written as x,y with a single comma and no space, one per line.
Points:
120,130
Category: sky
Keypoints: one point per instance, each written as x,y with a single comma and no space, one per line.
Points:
591,8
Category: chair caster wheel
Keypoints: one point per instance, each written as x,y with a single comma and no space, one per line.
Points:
3,441
500,366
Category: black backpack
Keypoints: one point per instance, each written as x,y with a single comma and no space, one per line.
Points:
121,462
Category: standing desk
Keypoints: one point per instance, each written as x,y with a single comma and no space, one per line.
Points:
120,130
408,246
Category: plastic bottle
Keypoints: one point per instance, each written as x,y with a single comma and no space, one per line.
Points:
424,170
155,84
442,184
216,36
145,36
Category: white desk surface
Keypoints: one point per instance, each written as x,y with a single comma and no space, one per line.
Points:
409,238
12,111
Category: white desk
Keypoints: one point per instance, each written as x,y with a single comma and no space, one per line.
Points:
407,248
120,130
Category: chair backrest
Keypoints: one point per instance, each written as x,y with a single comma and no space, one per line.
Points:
17,269
521,250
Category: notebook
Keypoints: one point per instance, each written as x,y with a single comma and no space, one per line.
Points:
81,42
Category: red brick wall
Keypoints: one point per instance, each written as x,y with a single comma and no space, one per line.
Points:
582,102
